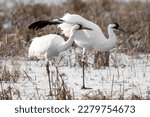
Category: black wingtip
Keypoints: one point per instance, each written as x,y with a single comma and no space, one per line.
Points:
42,23
38,25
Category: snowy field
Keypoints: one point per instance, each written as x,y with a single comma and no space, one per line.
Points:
127,77
131,76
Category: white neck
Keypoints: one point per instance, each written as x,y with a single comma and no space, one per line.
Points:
111,33
65,45
112,37
108,44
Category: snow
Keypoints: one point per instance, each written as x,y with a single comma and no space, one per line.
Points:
132,76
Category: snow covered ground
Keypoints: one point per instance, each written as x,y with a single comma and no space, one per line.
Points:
132,76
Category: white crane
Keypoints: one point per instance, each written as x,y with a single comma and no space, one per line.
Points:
51,45
86,39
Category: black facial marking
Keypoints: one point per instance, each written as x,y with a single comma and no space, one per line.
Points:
80,26
116,26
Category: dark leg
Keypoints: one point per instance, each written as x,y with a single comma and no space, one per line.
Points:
107,59
49,80
83,65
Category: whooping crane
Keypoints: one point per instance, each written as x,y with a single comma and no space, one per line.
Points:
51,45
86,39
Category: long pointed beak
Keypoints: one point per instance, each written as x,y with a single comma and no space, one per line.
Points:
121,30
85,28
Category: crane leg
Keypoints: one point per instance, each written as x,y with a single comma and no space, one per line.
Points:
49,79
83,66
107,59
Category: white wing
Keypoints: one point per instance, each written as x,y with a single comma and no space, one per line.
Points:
72,19
45,46
83,38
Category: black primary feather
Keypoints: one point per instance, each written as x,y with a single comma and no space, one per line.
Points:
42,23
39,24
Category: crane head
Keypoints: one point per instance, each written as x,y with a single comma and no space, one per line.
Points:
115,26
78,27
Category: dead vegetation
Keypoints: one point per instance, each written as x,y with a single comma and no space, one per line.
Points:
133,17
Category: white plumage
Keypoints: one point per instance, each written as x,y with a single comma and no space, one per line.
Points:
50,45
87,39
45,46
